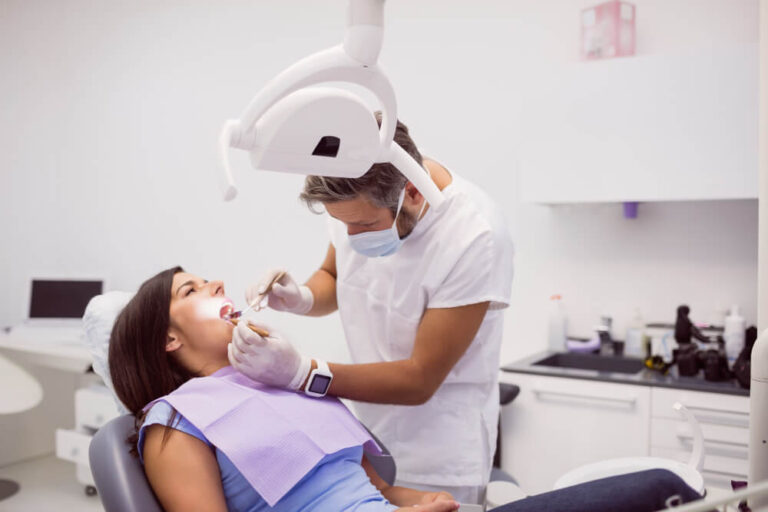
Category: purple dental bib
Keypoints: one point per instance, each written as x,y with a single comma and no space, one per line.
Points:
274,437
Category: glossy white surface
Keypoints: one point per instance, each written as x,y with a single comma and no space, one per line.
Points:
20,390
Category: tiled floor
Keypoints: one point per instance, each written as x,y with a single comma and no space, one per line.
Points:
47,484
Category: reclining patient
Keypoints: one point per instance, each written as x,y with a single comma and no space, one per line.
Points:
211,439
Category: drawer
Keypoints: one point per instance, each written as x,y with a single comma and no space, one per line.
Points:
709,408
73,446
717,471
94,406
719,440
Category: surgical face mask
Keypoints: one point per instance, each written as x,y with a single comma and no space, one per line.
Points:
379,243
385,242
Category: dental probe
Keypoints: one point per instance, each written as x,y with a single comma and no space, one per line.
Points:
260,297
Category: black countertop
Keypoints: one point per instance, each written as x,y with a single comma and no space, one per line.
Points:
644,377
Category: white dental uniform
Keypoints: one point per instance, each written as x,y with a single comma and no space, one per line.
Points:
457,255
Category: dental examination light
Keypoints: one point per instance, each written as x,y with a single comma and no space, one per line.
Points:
294,126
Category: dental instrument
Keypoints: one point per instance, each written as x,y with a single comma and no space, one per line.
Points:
256,304
227,311
295,127
258,330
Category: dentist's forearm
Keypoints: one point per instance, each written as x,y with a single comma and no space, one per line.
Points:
401,382
323,287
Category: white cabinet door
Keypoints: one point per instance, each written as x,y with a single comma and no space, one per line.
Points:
558,424
645,128
724,421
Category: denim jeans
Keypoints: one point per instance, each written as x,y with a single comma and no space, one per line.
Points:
644,491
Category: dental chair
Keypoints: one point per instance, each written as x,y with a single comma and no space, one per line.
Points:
120,478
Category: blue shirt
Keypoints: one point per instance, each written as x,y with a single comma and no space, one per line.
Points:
337,483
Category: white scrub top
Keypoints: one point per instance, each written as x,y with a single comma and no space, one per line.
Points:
458,254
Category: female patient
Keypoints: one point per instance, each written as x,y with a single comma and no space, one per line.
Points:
166,336
167,343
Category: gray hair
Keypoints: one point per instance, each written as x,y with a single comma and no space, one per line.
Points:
382,183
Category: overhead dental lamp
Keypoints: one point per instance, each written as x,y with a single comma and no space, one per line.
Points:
294,126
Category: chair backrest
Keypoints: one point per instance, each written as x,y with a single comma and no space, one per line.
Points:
383,464
120,478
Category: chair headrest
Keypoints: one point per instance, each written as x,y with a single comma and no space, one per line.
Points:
98,320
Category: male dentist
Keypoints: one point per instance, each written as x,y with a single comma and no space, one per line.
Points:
421,293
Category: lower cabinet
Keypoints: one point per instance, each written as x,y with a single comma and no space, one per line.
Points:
557,424
724,422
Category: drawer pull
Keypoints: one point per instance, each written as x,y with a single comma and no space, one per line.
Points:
727,474
714,409
710,417
628,401
687,437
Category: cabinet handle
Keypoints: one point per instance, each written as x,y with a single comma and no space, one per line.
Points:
627,401
687,437
727,474
741,421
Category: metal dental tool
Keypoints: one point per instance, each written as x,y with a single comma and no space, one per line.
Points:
255,305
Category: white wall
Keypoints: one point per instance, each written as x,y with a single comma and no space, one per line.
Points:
111,111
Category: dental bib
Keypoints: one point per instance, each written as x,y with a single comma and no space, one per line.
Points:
274,437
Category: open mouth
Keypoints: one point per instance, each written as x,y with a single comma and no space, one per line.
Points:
227,311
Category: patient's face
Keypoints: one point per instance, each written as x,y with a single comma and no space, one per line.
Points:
195,319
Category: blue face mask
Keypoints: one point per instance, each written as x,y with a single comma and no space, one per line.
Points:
379,243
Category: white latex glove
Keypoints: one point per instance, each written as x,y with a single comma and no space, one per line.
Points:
271,360
286,294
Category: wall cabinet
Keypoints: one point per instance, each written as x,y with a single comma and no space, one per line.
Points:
644,128
558,424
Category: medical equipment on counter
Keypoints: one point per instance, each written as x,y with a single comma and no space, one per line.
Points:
291,126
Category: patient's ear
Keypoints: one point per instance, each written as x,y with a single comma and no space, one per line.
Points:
172,342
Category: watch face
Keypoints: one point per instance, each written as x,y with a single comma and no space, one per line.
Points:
319,384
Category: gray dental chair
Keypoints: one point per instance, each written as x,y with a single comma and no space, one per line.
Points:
120,478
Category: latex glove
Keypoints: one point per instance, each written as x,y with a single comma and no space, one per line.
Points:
271,360
286,294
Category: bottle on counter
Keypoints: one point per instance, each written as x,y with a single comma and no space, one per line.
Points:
633,342
558,324
734,334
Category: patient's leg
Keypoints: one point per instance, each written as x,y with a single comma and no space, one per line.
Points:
645,491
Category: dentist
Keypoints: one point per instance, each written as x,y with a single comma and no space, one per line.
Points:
421,293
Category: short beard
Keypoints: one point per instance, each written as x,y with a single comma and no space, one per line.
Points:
406,221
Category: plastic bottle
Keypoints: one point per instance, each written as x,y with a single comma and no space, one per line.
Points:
558,324
633,342
734,334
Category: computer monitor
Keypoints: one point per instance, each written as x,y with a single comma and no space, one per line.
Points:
61,299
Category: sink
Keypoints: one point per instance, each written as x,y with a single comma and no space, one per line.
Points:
592,362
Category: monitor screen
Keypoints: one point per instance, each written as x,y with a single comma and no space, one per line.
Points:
61,299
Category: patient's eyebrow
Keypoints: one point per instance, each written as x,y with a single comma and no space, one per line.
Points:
191,281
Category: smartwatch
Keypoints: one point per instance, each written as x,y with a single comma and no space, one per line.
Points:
319,380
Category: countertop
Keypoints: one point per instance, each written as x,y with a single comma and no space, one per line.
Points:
645,377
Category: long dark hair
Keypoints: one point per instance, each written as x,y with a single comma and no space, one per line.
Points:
139,365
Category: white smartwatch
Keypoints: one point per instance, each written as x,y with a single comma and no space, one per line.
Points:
319,380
